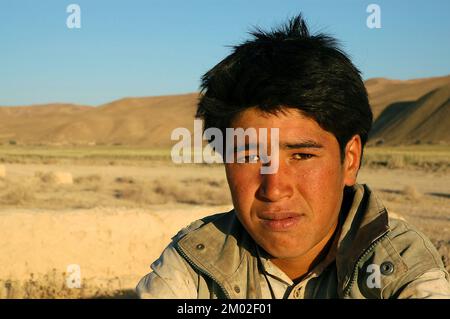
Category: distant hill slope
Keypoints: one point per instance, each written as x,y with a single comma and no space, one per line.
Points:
28,124
425,120
383,92
146,121
405,112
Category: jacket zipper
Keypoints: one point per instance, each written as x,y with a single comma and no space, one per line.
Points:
366,252
178,248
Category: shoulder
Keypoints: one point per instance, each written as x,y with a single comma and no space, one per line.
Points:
413,246
411,254
219,218
172,275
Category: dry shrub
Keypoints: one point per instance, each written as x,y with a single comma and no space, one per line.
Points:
198,191
127,194
60,178
53,285
411,192
194,191
220,183
125,180
396,161
139,194
17,195
199,195
88,179
45,177
49,161
90,183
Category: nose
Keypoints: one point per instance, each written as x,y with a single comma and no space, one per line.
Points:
275,187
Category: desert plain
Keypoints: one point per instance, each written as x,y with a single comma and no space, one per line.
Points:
89,195
112,210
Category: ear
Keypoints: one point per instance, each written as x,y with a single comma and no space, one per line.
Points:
352,160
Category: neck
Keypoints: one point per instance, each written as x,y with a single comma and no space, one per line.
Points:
299,266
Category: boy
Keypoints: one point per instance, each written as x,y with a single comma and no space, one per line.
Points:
307,230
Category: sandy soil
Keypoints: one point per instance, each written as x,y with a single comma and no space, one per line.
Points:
115,239
113,247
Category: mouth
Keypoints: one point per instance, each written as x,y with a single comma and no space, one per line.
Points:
280,221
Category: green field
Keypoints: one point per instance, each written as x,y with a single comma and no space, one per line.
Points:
428,157
36,154
434,157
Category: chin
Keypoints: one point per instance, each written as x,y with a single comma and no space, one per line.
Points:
281,251
286,254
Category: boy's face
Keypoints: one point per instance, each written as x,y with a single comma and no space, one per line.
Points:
291,211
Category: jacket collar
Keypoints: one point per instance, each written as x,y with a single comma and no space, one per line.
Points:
364,222
224,251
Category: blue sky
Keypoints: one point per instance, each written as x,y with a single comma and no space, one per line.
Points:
144,48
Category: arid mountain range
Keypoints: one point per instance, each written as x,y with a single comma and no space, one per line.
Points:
405,112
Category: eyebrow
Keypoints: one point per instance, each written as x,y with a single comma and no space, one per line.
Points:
301,144
284,145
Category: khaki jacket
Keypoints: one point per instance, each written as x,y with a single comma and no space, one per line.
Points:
376,256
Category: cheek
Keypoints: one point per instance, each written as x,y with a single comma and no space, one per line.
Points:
243,184
321,186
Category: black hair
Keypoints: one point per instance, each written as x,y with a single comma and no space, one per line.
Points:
288,67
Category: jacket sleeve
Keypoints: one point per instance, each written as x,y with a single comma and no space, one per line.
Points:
433,284
171,278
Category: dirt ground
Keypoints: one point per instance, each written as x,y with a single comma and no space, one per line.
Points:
114,220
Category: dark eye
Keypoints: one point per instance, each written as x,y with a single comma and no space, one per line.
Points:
302,156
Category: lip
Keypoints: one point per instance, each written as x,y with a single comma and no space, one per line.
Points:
280,221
